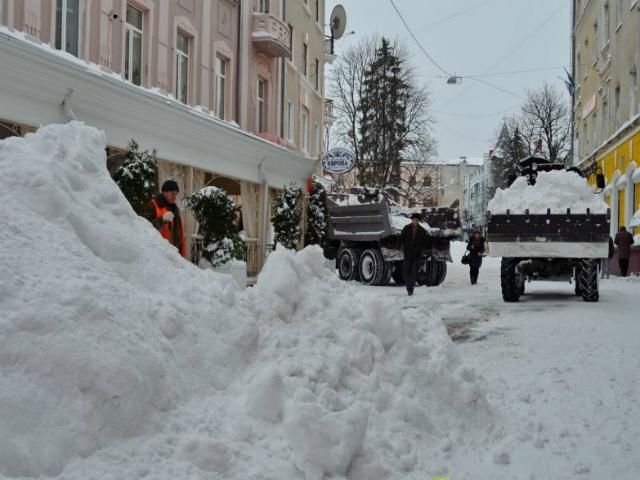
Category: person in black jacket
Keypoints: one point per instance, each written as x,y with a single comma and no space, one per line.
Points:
413,240
604,264
475,247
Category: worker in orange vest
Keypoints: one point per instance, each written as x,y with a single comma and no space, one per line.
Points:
164,214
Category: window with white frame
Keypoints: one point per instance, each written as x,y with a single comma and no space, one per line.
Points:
67,25
305,129
182,67
633,88
617,106
619,12
305,58
604,120
291,122
262,6
316,139
316,73
133,46
595,42
261,106
221,87
606,23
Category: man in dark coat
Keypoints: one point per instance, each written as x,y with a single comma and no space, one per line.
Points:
624,240
413,240
163,212
476,249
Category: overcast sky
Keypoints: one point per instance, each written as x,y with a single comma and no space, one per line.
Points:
472,37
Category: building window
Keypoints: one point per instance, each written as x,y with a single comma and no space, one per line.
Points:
617,105
221,87
316,139
261,108
305,129
606,20
305,61
426,181
604,120
595,42
316,73
67,25
318,11
133,47
633,87
291,122
262,6
182,68
619,11
291,42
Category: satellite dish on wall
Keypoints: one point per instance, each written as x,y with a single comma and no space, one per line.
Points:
338,22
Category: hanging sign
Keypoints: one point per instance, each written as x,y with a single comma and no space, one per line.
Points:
338,160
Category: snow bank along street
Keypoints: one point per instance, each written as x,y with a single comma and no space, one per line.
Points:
119,360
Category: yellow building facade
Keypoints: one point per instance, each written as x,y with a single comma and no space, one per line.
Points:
606,68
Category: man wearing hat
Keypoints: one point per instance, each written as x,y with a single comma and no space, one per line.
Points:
164,214
414,240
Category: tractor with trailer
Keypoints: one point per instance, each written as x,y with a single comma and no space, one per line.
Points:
364,239
564,246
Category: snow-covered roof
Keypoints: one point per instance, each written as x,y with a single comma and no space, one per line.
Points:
474,161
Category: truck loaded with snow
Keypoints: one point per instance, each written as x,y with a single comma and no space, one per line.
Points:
364,238
548,225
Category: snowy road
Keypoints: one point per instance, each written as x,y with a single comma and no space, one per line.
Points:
563,375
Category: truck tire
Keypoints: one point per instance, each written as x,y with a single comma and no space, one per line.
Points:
508,280
422,278
348,263
588,280
442,271
398,274
372,267
576,280
388,272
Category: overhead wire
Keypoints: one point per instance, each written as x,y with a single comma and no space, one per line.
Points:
406,26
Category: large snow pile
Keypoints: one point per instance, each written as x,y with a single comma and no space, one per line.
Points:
118,359
635,220
555,190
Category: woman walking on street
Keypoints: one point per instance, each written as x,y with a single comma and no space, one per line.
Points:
475,247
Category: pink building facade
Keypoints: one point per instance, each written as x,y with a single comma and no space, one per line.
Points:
200,81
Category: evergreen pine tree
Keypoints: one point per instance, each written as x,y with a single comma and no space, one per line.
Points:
217,216
317,216
287,214
137,176
383,122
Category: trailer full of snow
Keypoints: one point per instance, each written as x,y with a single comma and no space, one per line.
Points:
364,234
548,225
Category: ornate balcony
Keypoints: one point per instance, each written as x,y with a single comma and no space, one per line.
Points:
329,114
271,35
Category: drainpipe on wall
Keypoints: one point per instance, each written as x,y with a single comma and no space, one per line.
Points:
66,107
282,74
239,65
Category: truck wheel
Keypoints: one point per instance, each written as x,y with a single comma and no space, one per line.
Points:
371,267
388,272
508,280
588,280
422,278
442,271
398,274
576,280
348,261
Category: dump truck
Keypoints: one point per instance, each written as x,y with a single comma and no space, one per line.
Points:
364,240
558,246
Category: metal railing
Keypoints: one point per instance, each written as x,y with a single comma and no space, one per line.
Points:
329,45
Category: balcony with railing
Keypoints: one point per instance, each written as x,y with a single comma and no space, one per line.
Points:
271,35
329,113
329,49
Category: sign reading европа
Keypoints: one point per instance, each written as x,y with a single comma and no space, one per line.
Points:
338,160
